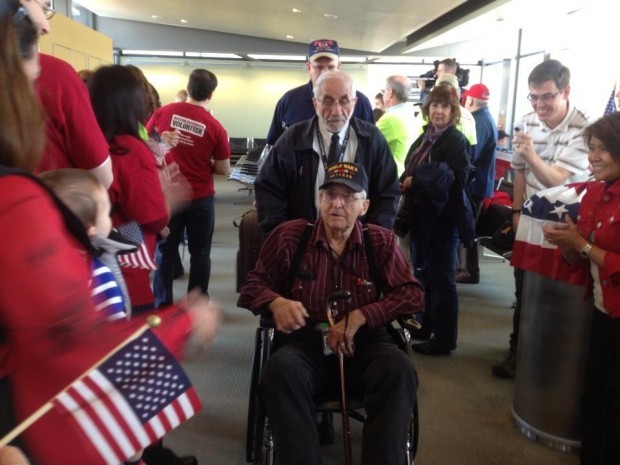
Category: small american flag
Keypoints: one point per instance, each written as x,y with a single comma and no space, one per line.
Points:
142,258
611,103
131,399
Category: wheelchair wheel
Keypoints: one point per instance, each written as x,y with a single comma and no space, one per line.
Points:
256,412
413,435
267,454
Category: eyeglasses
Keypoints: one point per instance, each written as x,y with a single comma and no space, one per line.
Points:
346,199
48,12
543,98
328,102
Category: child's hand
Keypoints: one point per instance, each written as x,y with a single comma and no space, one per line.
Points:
206,316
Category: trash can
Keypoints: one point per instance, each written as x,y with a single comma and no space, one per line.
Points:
553,343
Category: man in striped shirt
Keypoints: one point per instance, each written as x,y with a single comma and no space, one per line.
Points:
548,150
297,294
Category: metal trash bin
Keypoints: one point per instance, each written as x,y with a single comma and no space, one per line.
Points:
553,343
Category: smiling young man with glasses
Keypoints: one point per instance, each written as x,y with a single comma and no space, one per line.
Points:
287,187
296,104
548,151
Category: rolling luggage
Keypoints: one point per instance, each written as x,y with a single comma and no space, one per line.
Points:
250,241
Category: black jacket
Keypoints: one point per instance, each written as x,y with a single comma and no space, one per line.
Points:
451,149
285,186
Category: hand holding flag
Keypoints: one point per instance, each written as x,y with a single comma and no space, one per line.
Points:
129,399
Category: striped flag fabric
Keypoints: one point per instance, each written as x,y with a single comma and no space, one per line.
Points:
141,258
531,251
130,400
611,103
107,294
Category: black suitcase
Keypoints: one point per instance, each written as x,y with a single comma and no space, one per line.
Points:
250,240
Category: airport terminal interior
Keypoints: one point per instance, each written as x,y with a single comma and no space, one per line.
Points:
464,411
466,415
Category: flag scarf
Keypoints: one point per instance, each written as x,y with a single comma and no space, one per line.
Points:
611,103
531,251
131,399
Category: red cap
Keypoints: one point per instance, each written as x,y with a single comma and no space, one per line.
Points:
478,91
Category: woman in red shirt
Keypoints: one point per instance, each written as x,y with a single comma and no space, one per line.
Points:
593,244
136,193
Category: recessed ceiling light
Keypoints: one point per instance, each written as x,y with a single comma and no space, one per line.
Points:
156,17
184,21
288,36
233,56
296,10
257,56
330,16
163,53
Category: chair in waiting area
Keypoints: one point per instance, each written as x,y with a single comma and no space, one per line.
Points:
259,438
239,146
245,170
494,225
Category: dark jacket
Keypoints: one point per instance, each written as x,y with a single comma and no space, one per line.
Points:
484,159
285,186
451,149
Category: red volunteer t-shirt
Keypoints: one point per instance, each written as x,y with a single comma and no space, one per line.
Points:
202,138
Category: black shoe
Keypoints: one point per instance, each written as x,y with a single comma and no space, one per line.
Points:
508,368
325,428
187,460
420,334
432,347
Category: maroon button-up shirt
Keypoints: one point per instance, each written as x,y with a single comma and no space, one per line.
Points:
320,274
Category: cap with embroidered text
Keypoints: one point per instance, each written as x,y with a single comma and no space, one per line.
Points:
323,48
479,91
348,174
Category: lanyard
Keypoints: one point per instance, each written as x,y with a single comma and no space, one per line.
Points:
343,146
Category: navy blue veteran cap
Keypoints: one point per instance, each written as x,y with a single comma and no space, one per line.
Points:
323,48
348,174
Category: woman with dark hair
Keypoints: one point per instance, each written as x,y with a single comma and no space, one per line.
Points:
594,245
432,185
50,332
136,193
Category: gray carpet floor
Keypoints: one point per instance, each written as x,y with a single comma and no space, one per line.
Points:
465,413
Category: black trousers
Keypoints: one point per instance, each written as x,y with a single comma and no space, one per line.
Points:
600,403
379,373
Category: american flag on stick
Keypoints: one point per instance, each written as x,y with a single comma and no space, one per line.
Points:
142,258
611,103
130,400
127,401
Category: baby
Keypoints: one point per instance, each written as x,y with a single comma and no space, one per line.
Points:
88,199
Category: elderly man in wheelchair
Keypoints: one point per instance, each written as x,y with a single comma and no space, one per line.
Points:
332,289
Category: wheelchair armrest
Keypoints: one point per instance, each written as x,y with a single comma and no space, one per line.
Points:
266,320
400,329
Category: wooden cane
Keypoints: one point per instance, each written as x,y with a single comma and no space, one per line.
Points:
346,431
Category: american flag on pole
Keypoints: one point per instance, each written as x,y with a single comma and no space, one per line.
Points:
611,103
142,258
531,251
131,399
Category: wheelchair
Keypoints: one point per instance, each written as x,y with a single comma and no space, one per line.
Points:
259,439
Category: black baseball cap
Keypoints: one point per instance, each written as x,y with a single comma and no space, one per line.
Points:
348,174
